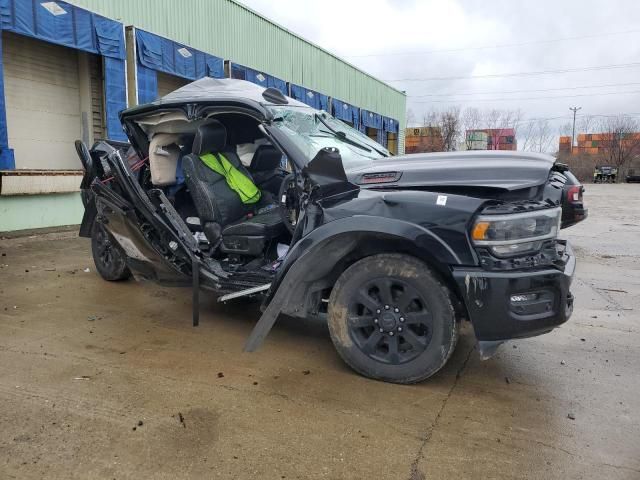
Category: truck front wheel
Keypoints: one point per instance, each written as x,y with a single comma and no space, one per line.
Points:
391,319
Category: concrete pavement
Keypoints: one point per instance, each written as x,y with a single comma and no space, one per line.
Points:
109,380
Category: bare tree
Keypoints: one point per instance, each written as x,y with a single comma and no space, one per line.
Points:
444,130
501,122
536,136
527,133
411,118
545,136
620,140
450,128
471,119
586,124
565,129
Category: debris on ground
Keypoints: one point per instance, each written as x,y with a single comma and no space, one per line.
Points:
91,318
612,290
220,375
571,416
306,372
181,418
562,362
49,269
140,423
86,270
583,339
83,377
507,380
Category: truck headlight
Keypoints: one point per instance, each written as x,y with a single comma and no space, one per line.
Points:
516,234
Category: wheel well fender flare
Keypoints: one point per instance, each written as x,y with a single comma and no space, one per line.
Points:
318,259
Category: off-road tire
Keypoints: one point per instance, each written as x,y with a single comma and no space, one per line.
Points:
431,294
107,256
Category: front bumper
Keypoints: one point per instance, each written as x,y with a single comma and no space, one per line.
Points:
516,304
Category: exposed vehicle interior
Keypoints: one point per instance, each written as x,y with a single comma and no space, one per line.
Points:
242,234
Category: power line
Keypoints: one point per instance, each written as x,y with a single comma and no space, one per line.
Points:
531,98
522,74
525,91
486,47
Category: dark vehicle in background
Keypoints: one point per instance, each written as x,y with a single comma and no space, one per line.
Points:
393,252
605,174
632,177
573,209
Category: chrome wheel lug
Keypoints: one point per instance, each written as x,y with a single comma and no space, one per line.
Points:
378,311
399,329
386,307
402,319
375,320
391,334
396,310
382,330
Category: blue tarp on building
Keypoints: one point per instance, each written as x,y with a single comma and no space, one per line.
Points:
159,54
390,125
371,119
344,111
65,24
312,98
254,76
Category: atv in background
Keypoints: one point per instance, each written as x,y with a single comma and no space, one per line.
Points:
605,174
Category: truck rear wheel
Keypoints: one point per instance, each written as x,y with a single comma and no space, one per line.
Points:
391,319
108,258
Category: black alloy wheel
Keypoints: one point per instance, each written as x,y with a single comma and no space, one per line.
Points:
107,256
389,321
391,318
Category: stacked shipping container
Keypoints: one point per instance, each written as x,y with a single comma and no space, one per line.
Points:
423,139
596,143
498,138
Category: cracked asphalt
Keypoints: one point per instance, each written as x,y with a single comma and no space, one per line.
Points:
109,380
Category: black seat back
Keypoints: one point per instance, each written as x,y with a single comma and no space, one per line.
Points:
214,200
265,159
266,170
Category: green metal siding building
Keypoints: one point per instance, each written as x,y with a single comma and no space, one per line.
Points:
70,54
232,31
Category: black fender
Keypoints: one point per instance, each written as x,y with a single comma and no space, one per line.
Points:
315,262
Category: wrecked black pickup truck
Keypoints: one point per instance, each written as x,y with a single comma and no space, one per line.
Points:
240,191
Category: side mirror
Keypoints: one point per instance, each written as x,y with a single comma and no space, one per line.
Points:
327,174
326,167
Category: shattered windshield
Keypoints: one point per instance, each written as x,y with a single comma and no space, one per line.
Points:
312,130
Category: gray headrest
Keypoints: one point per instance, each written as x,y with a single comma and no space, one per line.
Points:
266,158
210,138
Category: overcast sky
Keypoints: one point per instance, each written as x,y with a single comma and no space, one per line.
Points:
397,40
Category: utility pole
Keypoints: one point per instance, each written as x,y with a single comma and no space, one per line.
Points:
573,131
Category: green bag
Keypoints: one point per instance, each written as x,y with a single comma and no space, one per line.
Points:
237,181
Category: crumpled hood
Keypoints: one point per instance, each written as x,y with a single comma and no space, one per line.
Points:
490,169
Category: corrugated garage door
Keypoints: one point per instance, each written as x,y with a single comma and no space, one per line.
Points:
168,83
43,102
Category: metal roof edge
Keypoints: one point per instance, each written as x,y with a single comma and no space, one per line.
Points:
322,49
